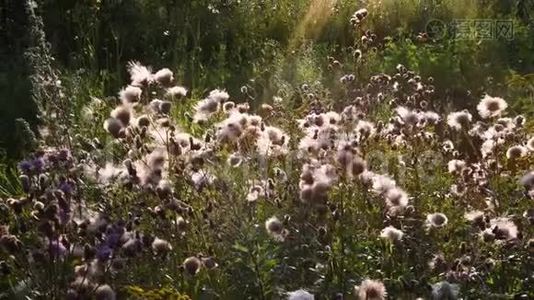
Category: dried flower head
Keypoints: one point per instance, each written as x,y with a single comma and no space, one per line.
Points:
130,94
209,263
516,152
475,216
438,262
255,192
437,220
160,246
456,166
530,144
487,148
444,290
275,228
407,116
459,120
396,197
503,228
528,180
357,166
207,107
382,183
114,127
448,146
491,107
520,121
219,95
192,265
235,160
364,130
164,77
176,92
392,234
229,107
300,295
105,292
122,113
358,16
139,75
371,290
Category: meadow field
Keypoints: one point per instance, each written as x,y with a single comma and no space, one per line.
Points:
262,149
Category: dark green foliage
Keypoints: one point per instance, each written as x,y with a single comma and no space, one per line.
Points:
15,86
26,137
28,82
212,43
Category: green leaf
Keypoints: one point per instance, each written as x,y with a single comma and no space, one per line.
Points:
240,248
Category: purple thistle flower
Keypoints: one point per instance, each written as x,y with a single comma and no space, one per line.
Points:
66,186
52,158
113,235
63,154
64,216
25,166
103,252
112,240
57,249
38,164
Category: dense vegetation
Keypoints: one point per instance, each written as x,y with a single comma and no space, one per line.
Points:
269,149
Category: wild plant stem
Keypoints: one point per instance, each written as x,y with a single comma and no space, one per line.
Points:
257,271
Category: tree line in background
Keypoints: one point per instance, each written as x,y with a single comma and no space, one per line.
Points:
269,47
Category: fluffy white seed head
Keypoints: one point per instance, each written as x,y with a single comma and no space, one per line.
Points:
164,77
392,234
490,107
437,220
371,290
176,92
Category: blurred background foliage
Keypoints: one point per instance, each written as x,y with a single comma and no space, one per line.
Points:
270,46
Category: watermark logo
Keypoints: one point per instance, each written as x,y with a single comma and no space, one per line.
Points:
436,29
483,29
471,29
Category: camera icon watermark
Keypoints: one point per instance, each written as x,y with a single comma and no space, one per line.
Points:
436,29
